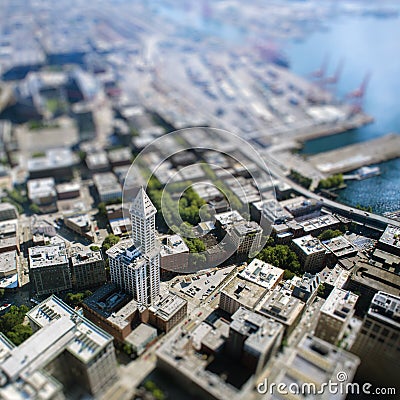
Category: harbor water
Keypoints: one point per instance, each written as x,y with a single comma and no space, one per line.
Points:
366,45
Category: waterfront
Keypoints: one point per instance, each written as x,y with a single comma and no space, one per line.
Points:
366,45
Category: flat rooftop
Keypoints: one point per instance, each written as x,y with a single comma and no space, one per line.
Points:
168,306
340,247
317,361
54,158
45,256
262,273
243,228
61,329
107,300
261,332
8,263
83,257
281,306
391,236
386,307
142,334
309,244
324,221
246,292
228,218
339,304
41,187
173,244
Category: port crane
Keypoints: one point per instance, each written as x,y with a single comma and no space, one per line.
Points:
360,92
333,79
320,73
206,10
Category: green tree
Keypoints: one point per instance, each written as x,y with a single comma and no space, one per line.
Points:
34,208
19,333
13,317
109,241
321,289
333,181
102,209
300,179
2,293
281,256
329,234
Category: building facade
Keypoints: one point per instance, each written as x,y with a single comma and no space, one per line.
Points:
49,269
87,269
136,267
378,342
335,315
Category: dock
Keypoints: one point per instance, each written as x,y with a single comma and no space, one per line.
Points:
358,155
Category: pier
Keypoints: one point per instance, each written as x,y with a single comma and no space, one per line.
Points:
358,155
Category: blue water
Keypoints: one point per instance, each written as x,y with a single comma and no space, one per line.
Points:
367,45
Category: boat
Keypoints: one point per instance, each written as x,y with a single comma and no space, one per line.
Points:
368,172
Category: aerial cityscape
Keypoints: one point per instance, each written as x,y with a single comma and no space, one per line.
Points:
199,200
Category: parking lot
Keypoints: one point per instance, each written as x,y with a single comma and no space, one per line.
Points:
202,286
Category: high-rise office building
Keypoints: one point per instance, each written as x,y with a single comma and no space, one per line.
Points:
136,267
378,342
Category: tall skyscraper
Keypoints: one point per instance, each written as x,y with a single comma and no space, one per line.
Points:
136,267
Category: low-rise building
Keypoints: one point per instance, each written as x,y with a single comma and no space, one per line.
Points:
282,307
68,190
118,157
168,312
335,277
97,162
42,191
8,264
270,212
390,240
56,163
174,254
317,225
108,187
311,253
339,247
262,273
8,212
112,310
245,238
49,269
239,292
79,223
302,208
9,237
306,287
140,338
248,342
335,315
368,279
312,364
62,337
87,269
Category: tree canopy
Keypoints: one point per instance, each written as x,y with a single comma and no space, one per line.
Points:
109,241
329,234
281,256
